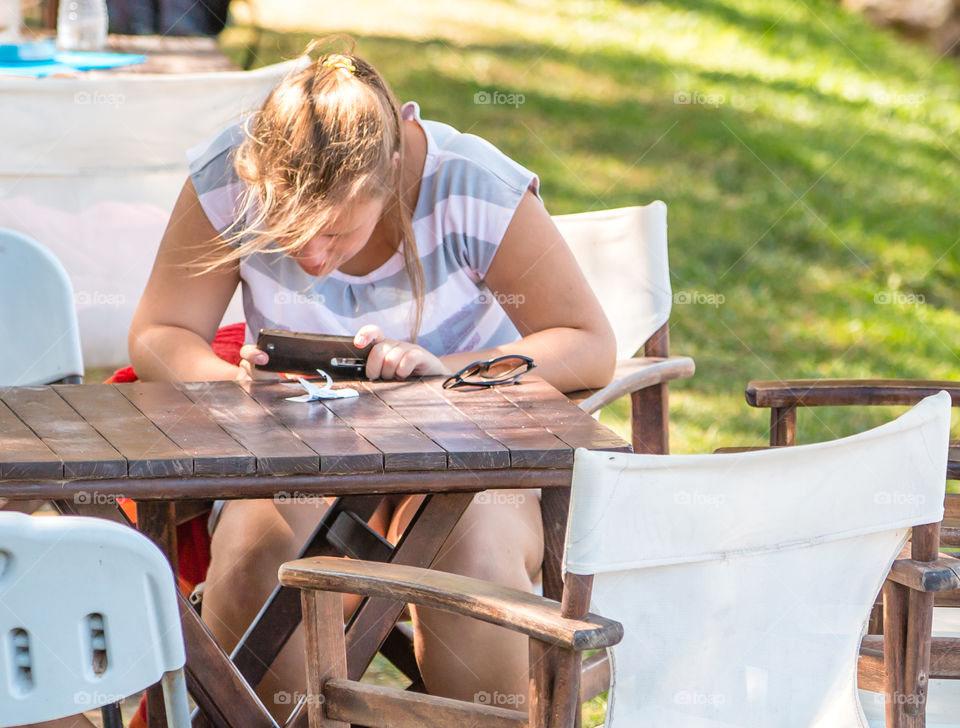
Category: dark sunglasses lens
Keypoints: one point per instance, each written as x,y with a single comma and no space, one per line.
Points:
508,367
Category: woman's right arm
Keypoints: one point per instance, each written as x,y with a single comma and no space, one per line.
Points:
180,310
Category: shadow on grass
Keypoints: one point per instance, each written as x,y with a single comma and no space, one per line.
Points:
800,210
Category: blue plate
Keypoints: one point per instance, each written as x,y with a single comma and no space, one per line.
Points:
34,52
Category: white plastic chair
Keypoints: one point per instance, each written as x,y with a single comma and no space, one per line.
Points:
91,167
623,254
88,615
38,320
742,582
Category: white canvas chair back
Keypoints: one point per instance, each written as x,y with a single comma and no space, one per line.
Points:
744,581
91,168
623,254
88,615
38,320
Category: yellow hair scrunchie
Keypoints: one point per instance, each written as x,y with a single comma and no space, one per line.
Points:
335,60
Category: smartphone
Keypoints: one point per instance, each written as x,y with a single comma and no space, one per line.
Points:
296,352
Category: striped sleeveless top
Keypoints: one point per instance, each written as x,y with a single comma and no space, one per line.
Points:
469,193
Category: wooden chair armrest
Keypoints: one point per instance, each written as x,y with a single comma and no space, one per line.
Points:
927,576
953,458
632,375
534,616
831,392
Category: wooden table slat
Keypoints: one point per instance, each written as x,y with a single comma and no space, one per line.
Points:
277,450
468,447
148,451
213,451
529,443
341,448
403,446
558,415
22,453
83,451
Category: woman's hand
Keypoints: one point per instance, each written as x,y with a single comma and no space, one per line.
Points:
390,359
250,355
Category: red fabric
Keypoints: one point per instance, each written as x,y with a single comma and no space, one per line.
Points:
226,344
193,540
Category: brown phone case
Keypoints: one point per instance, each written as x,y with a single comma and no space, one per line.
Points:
296,352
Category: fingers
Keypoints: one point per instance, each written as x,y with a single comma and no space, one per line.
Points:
368,334
250,353
392,359
400,359
409,362
375,358
249,356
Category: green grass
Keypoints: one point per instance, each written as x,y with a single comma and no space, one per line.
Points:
817,181
820,178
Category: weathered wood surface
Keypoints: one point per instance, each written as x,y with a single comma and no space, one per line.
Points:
364,704
341,449
535,616
28,456
326,653
83,451
204,440
834,392
164,443
278,451
213,451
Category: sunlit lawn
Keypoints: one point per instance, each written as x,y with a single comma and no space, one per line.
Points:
809,163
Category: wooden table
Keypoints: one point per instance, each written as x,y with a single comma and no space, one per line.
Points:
163,444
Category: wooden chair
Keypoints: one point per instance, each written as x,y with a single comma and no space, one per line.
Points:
727,573
638,306
623,254
899,656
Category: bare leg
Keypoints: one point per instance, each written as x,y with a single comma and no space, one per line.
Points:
252,539
499,539
250,542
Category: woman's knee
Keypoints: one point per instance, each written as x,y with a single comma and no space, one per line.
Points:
499,538
248,530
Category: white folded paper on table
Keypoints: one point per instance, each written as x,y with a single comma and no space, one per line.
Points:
315,391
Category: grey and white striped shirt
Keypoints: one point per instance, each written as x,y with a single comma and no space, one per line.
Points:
469,193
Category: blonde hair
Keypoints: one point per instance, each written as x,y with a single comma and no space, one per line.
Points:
327,136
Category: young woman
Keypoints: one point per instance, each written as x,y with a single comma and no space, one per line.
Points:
340,212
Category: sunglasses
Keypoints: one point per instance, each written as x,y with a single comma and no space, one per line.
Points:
502,370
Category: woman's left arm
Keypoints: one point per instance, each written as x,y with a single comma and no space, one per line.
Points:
545,294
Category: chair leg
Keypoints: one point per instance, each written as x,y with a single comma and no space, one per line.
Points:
917,662
111,716
783,426
175,699
648,420
554,696
326,650
925,547
894,646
